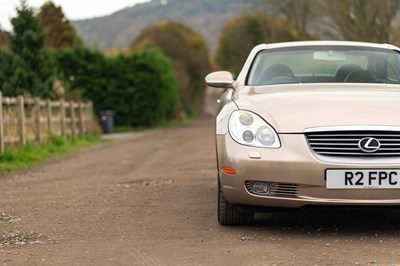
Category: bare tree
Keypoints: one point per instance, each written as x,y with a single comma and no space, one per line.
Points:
299,13
358,20
3,38
362,20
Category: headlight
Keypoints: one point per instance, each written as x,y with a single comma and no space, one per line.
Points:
249,129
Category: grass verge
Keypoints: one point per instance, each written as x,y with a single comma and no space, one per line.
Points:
33,153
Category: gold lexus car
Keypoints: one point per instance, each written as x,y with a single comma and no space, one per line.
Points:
306,124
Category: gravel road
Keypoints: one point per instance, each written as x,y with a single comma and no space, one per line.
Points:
150,199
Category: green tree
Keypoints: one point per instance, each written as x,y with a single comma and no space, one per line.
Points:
189,55
240,35
33,68
6,60
60,33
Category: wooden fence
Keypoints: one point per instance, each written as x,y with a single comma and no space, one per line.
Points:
32,119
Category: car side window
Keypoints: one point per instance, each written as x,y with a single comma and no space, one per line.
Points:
391,73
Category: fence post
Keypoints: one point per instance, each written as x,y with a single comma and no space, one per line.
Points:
62,113
38,121
90,116
72,111
81,123
49,116
1,124
21,120
87,118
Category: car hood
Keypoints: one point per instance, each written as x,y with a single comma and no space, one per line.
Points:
296,107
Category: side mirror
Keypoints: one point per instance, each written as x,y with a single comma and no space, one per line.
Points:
220,79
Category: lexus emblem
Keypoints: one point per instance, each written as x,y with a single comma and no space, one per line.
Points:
369,145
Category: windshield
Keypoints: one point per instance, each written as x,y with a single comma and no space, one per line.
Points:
317,64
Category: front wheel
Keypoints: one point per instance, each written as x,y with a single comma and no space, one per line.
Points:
228,214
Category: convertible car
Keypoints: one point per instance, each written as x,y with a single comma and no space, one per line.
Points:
308,124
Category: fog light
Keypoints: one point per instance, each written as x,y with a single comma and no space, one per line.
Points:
260,188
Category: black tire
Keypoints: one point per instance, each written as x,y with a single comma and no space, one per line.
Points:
228,214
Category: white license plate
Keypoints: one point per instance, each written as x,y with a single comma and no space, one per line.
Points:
362,178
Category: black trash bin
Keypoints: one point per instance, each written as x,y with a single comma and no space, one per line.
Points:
107,121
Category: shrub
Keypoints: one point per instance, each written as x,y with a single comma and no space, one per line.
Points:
141,89
155,98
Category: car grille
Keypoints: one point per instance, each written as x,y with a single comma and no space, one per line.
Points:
284,190
346,143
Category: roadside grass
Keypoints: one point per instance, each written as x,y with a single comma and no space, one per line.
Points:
33,153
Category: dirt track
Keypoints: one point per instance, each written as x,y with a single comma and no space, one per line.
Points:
150,199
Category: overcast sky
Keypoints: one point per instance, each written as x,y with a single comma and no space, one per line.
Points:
73,9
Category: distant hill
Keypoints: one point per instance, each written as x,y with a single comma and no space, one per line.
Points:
119,29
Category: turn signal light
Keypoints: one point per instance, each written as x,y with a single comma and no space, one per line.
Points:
228,170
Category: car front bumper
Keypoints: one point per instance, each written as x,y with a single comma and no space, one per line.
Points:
297,176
